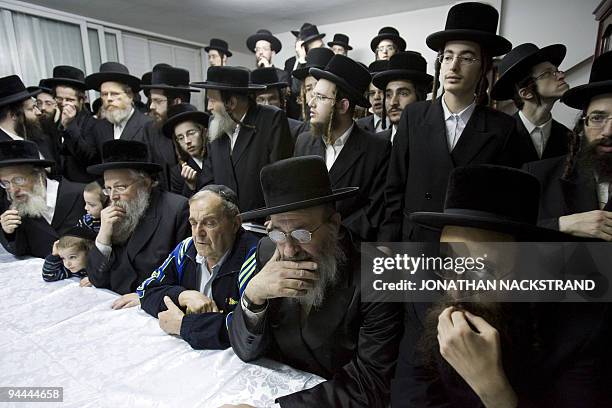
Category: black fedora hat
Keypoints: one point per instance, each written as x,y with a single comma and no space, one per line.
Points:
67,75
169,78
471,21
494,198
308,32
81,232
182,112
146,78
348,75
124,154
341,40
42,86
264,35
13,90
228,78
315,58
600,82
20,152
115,72
378,66
388,33
267,76
516,65
407,65
219,45
294,184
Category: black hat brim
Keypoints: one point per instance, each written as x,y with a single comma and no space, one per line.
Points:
338,194
20,96
225,87
346,46
99,169
252,40
494,44
381,79
22,162
356,96
40,89
225,51
399,41
53,82
580,96
94,81
302,73
437,221
503,88
275,85
168,88
312,38
195,116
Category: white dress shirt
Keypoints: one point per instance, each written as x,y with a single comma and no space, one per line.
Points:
393,132
332,151
539,134
378,123
52,187
234,136
118,129
603,193
11,134
456,122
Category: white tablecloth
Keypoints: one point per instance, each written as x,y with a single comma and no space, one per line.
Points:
61,335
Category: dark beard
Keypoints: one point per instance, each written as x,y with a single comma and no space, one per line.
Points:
600,163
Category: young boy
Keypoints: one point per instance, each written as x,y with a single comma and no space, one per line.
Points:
69,256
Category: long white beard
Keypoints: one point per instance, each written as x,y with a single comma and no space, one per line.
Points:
220,124
35,204
116,116
134,210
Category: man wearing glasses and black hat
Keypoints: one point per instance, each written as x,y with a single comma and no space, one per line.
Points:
218,52
302,304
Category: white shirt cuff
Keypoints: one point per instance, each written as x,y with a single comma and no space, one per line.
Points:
252,318
106,250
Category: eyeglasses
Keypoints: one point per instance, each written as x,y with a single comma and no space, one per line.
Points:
61,100
302,236
262,49
321,98
120,189
385,48
448,59
158,101
191,133
48,103
18,181
548,74
111,94
596,120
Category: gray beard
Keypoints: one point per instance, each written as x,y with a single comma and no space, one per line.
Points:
35,205
134,210
220,124
116,116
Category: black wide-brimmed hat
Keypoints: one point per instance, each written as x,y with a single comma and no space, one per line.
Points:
183,112
226,78
81,232
42,87
20,152
517,63
348,75
406,65
264,35
67,75
471,21
219,45
308,32
169,78
13,90
115,72
267,76
146,78
378,66
315,58
341,40
124,154
494,198
388,33
600,82
294,184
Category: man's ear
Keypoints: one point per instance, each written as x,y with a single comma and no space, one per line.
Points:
343,106
526,93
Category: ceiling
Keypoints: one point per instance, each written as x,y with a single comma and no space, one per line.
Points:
233,20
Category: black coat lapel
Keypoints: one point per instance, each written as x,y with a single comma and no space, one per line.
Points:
527,149
558,141
132,127
580,193
474,137
145,229
350,153
433,133
245,135
4,137
64,204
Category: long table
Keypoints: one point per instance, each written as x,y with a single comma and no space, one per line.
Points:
57,334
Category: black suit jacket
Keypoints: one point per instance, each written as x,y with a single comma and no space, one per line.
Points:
134,130
557,144
295,126
421,162
561,196
35,237
164,223
200,330
362,163
162,152
267,143
78,149
350,343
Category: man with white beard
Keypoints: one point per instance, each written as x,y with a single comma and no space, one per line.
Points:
244,136
117,89
139,227
302,305
39,210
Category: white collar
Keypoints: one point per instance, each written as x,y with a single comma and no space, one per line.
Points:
465,114
531,127
341,141
52,187
200,259
11,134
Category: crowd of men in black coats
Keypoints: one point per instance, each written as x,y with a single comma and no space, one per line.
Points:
289,154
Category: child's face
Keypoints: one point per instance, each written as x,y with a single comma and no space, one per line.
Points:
93,206
73,259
